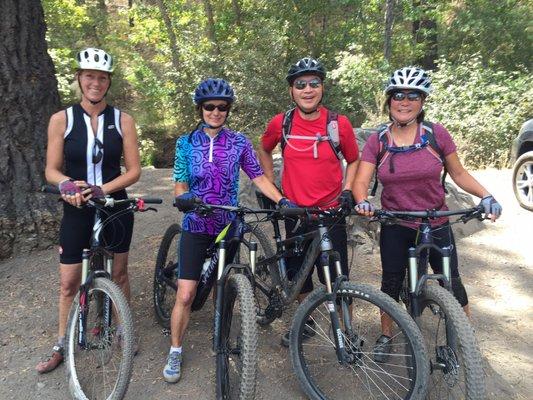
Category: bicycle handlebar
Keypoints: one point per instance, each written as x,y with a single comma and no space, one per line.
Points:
108,201
466,214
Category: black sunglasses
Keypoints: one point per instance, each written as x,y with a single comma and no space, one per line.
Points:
220,107
411,96
301,84
97,151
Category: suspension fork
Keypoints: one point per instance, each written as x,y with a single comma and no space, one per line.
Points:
326,251
83,302
219,303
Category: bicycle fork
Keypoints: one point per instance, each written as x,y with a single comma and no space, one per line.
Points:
326,254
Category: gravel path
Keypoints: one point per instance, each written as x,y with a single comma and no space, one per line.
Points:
496,263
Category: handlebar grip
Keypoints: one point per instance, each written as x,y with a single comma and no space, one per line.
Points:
50,189
152,200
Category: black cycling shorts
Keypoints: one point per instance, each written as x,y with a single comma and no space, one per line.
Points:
395,241
192,254
339,239
76,230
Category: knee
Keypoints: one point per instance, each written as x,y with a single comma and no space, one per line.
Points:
68,288
185,296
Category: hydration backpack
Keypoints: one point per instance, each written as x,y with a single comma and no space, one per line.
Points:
427,139
332,130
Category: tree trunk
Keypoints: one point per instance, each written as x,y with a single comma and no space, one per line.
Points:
171,35
238,13
389,21
211,34
28,219
425,32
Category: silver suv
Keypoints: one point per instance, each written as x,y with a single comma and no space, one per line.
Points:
522,156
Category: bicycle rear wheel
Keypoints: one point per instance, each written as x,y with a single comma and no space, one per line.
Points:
313,348
236,366
102,368
165,270
456,369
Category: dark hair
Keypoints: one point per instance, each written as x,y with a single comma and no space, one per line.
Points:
386,107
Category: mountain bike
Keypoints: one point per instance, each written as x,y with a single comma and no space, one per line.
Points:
99,338
333,330
455,358
235,330
332,333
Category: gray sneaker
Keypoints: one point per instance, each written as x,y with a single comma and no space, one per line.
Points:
382,349
172,371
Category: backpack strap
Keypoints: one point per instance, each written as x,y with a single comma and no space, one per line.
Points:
332,129
383,144
430,135
286,127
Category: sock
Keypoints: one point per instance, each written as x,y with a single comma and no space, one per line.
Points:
173,349
61,341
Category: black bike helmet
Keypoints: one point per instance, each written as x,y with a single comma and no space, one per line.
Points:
214,89
306,66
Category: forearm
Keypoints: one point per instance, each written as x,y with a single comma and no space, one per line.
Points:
267,163
267,188
349,175
54,176
360,191
123,181
469,184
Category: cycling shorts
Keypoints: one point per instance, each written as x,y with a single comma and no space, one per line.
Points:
76,230
192,254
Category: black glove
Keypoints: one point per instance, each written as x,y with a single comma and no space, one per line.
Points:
186,202
286,203
346,199
491,207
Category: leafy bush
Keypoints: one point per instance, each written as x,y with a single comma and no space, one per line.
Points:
482,108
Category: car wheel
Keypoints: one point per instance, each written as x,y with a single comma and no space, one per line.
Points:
523,180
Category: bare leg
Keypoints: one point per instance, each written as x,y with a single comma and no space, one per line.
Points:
120,273
182,310
69,277
386,324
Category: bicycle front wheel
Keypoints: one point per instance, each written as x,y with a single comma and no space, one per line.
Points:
399,371
237,356
263,278
101,367
165,271
456,369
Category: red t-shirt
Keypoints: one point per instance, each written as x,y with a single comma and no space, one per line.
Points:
415,183
306,180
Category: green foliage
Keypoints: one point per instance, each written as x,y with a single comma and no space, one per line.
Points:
255,41
482,108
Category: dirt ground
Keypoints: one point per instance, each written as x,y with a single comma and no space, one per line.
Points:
496,264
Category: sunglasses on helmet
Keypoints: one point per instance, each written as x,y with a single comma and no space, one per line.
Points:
411,96
219,107
301,84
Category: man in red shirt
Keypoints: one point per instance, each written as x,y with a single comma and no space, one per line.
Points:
313,175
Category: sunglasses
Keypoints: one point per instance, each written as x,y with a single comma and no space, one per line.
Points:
411,96
301,84
97,151
220,107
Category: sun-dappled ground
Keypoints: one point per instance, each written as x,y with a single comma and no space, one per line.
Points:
496,263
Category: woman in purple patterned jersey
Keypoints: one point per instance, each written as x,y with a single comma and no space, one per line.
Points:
206,166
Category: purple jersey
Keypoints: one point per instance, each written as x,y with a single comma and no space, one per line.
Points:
415,183
210,166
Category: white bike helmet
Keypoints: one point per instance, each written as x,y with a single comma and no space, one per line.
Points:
409,78
91,58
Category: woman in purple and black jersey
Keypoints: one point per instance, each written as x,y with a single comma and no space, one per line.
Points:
410,172
206,166
86,143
